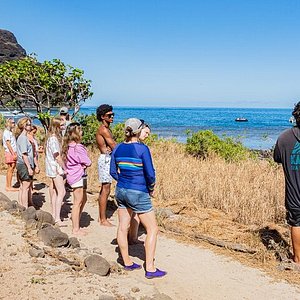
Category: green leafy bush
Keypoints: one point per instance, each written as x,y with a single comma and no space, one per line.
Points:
90,125
204,143
2,122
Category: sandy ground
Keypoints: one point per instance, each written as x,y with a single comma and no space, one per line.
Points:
193,272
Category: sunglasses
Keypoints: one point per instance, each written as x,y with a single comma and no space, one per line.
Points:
28,124
110,115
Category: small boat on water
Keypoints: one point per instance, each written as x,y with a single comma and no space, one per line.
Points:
241,120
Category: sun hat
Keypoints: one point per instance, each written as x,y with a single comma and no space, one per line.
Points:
134,124
64,110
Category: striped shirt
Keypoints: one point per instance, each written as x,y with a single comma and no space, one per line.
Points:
131,166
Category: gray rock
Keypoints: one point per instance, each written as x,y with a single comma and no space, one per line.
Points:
96,264
29,214
9,47
74,243
52,236
15,208
5,202
44,217
31,225
36,253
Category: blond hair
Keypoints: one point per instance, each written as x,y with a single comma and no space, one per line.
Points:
54,129
73,134
21,125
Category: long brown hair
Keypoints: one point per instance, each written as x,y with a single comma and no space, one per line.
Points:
21,125
73,134
54,129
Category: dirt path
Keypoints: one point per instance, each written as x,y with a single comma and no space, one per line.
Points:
193,272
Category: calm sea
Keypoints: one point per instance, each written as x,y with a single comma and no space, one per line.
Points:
260,132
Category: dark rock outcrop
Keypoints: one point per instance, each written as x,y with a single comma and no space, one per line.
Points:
9,47
96,264
52,236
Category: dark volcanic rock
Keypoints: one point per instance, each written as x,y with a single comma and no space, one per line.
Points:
29,214
5,202
96,264
9,47
44,217
52,236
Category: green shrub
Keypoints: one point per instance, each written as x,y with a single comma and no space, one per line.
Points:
2,122
204,143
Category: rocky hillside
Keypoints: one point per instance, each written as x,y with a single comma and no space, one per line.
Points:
9,47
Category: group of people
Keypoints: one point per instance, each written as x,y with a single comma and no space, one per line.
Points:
67,160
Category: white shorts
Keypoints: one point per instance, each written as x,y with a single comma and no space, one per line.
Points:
77,184
103,168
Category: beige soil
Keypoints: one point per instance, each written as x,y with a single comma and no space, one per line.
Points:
193,272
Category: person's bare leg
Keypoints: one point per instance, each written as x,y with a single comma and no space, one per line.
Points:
20,193
30,203
60,189
25,192
9,175
134,229
103,198
83,201
53,198
124,215
149,222
295,233
77,203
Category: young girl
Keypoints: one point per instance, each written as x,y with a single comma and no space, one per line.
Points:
10,148
76,161
55,168
25,161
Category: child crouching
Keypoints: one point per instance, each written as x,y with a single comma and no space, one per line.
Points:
76,161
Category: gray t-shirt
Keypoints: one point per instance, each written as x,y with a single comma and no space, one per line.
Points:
24,147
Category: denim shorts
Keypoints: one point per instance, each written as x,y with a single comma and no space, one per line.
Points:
138,201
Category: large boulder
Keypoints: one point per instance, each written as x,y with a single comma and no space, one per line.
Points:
5,202
29,214
96,264
9,47
44,217
52,236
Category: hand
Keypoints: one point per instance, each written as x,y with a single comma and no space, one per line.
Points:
37,170
151,194
30,172
15,156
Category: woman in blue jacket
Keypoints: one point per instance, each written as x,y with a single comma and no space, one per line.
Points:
131,166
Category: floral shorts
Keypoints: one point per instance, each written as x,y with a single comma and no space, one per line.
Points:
103,168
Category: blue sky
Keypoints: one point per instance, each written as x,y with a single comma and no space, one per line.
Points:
225,53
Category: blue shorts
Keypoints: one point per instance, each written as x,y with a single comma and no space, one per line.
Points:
138,201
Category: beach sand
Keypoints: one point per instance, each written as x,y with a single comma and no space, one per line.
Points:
193,272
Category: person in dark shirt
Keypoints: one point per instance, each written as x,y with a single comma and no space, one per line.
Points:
131,166
287,152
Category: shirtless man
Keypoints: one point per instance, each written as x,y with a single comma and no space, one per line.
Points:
106,144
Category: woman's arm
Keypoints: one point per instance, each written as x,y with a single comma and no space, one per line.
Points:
148,169
82,155
113,166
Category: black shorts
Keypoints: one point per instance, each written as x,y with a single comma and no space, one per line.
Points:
293,217
23,172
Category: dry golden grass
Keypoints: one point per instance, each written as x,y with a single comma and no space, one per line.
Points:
228,201
250,192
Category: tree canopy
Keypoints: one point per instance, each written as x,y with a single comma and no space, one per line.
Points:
27,83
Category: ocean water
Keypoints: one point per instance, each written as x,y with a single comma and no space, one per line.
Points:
260,132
